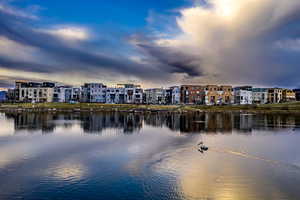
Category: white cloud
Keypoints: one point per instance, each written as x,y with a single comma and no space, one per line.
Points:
233,38
69,32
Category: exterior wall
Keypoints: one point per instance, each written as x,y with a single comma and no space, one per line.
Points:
75,95
36,94
208,95
123,93
260,95
288,95
33,92
275,95
65,94
155,96
217,95
175,95
59,94
211,95
133,95
93,93
115,95
243,95
227,94
192,94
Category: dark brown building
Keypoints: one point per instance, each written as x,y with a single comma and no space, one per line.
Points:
192,94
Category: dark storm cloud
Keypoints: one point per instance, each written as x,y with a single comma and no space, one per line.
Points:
176,62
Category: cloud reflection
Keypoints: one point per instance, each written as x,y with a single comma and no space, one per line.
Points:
68,171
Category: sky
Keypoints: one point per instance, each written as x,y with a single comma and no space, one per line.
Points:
152,43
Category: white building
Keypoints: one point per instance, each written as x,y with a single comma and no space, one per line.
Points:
133,93
260,95
65,94
60,94
93,93
115,95
123,93
243,95
175,94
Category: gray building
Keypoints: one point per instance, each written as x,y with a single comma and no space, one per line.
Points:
93,93
155,96
260,95
66,94
243,95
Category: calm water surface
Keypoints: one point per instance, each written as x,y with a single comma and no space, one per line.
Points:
152,156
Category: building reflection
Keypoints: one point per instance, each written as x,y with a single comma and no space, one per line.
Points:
93,123
209,123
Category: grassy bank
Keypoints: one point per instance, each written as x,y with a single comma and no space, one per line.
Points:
43,107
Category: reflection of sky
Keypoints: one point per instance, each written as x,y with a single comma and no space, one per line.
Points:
67,171
154,163
6,126
223,175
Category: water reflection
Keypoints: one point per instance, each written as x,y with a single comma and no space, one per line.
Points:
150,156
210,123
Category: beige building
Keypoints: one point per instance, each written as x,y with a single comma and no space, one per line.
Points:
288,95
34,92
217,95
275,95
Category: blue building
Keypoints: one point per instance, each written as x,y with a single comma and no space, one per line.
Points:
3,96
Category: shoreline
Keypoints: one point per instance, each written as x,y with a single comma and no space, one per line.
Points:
293,107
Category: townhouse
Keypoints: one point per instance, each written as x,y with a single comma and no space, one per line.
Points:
288,95
93,93
123,93
260,95
275,95
173,95
34,92
133,93
115,95
218,95
191,94
206,94
243,95
66,94
155,96
26,91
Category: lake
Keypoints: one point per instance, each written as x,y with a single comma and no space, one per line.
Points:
133,156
